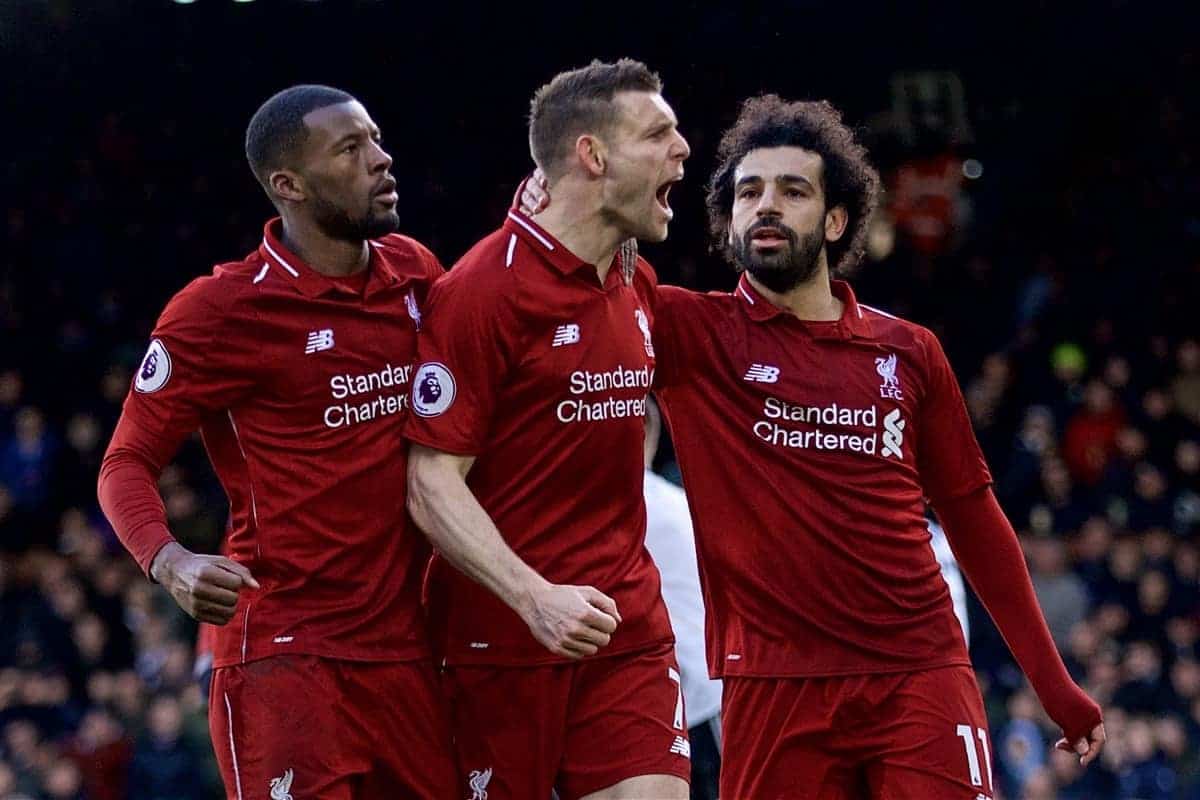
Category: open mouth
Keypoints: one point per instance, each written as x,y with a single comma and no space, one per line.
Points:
662,195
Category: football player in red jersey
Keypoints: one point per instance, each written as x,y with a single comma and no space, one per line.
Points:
536,360
294,365
811,431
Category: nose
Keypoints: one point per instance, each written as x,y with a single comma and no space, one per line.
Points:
681,149
380,160
768,202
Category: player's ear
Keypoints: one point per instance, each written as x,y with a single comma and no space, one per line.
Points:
836,220
287,185
591,154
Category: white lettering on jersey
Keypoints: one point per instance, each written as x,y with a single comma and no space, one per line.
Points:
318,341
761,373
864,436
155,369
583,382
359,409
565,334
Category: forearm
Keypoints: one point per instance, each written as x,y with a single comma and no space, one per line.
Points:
444,507
990,557
128,493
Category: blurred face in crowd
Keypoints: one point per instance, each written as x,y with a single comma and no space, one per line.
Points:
643,155
779,223
341,175
165,719
1142,662
63,780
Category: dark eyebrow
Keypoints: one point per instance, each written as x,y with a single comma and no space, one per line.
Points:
346,138
794,179
355,135
748,179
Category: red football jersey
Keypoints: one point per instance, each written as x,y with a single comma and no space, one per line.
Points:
299,388
807,450
532,366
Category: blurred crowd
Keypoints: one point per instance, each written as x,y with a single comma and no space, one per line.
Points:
1056,254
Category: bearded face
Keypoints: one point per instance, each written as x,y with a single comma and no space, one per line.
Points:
779,257
367,221
779,222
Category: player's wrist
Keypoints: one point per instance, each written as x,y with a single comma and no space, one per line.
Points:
162,568
1075,712
526,599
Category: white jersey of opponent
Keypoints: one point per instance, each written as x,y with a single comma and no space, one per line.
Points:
953,578
672,545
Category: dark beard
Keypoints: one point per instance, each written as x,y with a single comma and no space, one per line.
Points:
335,223
784,270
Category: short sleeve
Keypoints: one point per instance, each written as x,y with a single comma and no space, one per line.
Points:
463,359
949,459
196,365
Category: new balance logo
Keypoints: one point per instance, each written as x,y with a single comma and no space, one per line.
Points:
761,373
982,797
681,747
281,787
319,340
477,782
565,334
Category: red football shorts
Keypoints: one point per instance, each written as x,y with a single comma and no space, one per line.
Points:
908,736
303,726
521,732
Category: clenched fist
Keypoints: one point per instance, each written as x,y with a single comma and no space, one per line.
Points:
206,587
572,621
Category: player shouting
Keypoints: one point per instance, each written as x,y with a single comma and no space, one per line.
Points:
526,469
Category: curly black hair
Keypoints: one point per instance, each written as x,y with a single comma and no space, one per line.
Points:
848,178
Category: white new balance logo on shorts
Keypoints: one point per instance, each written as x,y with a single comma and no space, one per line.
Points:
566,334
761,373
681,747
319,340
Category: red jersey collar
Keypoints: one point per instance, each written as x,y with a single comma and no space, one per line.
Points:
310,282
852,322
552,250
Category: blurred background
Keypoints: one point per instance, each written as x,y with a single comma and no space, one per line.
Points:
1042,216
